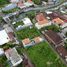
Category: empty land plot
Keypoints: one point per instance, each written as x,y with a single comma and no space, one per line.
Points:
43,56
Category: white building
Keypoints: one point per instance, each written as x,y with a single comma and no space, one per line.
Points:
13,56
1,51
27,21
3,37
41,26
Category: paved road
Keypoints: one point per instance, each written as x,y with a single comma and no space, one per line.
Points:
54,7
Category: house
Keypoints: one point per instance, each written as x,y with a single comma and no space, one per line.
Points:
27,42
9,32
22,4
56,14
53,38
11,36
1,51
58,21
38,39
29,0
4,38
9,7
62,51
41,21
14,1
13,56
52,15
27,21
25,5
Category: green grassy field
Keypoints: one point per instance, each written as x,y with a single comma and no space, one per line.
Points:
27,33
43,56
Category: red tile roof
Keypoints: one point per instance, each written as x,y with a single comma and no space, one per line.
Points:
41,19
26,41
58,20
37,39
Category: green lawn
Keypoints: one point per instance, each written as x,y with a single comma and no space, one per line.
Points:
43,56
27,33
18,23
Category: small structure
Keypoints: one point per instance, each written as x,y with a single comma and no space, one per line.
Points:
48,12
27,42
1,51
13,56
4,38
38,39
41,21
53,38
58,21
